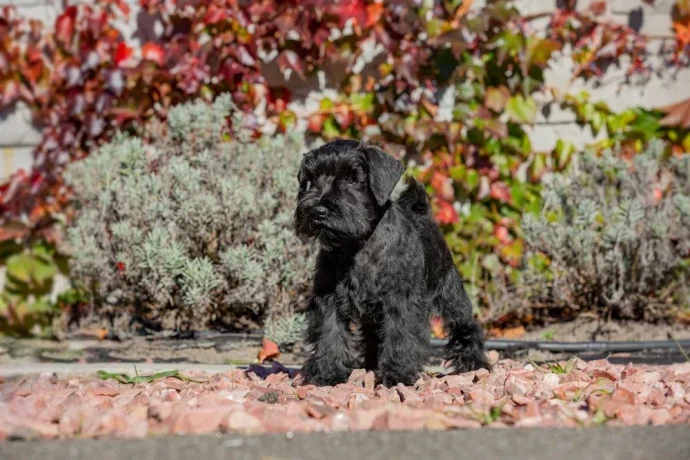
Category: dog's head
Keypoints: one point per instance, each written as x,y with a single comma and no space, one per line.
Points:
343,188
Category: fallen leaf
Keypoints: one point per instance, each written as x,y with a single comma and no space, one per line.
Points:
269,351
513,332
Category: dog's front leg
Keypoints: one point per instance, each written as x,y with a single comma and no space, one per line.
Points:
405,334
328,333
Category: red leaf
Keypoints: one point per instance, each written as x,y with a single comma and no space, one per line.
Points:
269,351
446,213
288,59
315,123
153,52
500,191
438,179
64,26
437,327
124,7
120,267
122,53
353,9
214,15
598,7
444,188
502,234
344,116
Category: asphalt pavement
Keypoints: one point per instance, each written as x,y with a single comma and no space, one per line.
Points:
602,443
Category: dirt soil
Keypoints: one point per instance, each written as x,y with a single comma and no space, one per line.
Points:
241,350
573,394
589,329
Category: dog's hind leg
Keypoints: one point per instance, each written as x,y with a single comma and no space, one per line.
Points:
328,332
405,339
370,343
465,348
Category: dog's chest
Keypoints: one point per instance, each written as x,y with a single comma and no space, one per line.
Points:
363,282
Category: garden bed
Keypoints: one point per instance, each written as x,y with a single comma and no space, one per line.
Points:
570,394
240,349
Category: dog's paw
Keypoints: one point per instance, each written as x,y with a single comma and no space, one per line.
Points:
391,379
316,375
469,363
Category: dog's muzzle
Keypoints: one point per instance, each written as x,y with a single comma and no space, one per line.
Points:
319,214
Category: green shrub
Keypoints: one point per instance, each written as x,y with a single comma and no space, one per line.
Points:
613,238
191,226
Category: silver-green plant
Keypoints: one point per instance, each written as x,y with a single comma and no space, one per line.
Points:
194,223
615,238
285,330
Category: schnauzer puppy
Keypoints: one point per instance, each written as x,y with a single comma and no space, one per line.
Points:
383,266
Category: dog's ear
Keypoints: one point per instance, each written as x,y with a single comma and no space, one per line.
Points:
384,173
300,173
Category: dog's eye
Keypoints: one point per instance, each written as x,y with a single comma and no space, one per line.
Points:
354,176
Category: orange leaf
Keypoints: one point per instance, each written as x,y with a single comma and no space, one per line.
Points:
374,12
464,8
269,351
598,7
682,33
153,52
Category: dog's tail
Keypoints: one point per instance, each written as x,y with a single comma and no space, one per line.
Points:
414,198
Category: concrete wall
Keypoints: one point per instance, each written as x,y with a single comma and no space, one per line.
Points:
18,136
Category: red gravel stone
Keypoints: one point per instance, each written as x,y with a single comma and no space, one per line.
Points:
50,407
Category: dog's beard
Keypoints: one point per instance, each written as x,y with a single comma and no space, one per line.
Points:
335,231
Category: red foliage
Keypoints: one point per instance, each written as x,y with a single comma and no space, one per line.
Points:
83,82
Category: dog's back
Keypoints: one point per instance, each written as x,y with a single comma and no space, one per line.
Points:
465,348
436,253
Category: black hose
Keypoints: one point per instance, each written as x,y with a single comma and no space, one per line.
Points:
501,345
576,347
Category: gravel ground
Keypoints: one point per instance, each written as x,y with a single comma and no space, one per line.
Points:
572,394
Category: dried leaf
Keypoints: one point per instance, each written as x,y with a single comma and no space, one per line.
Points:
269,351
677,114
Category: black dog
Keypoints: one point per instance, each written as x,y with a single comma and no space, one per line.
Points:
383,265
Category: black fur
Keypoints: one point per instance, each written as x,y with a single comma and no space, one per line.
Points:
383,265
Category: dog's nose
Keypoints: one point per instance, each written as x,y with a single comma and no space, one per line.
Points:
320,212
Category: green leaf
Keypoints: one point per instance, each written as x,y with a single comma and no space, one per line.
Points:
330,128
20,267
597,122
540,51
43,271
472,179
326,104
563,153
363,102
521,110
126,379
537,167
686,142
